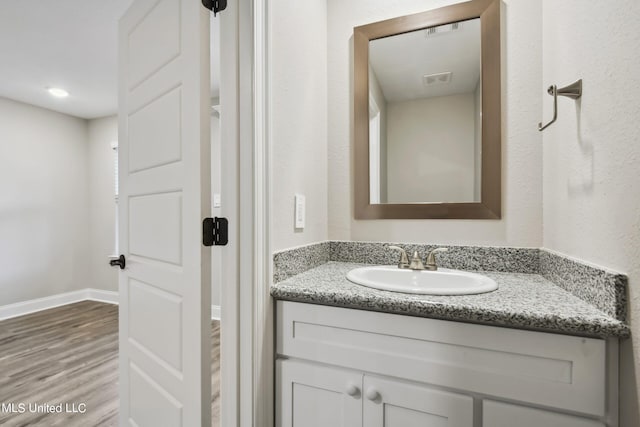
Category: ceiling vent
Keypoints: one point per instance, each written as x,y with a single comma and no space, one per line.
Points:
443,29
437,79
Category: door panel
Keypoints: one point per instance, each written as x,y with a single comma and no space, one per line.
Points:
311,406
153,406
394,403
154,133
400,416
498,414
155,322
146,237
317,396
164,195
152,40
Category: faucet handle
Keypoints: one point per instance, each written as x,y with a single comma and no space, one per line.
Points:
430,263
404,259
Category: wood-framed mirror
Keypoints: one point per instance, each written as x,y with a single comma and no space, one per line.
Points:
427,115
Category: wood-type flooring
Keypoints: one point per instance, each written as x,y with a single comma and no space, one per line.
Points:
69,355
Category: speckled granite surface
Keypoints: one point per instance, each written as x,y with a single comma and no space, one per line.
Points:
477,258
524,301
294,261
604,289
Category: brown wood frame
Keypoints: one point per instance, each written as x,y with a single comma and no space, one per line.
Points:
491,198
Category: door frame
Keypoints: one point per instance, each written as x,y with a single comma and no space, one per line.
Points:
263,322
247,336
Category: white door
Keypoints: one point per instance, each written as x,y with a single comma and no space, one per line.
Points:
164,139
391,403
309,395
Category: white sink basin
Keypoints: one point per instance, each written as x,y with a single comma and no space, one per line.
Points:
440,282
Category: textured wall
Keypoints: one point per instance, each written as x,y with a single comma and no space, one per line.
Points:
522,153
591,169
44,193
298,118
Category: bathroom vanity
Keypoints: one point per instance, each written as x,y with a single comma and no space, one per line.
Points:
345,367
529,354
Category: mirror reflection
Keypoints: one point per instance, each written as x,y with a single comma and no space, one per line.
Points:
425,115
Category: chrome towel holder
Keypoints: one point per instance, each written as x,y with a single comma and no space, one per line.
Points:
573,91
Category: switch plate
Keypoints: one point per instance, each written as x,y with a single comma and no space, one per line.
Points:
299,214
217,200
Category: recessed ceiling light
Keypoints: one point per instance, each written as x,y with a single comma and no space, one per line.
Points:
57,92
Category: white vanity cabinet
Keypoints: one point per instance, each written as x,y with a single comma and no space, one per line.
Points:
356,368
312,395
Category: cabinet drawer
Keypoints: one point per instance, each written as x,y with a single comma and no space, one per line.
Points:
547,369
498,414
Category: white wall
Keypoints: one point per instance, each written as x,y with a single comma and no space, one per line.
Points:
431,151
102,207
592,153
522,153
44,196
298,134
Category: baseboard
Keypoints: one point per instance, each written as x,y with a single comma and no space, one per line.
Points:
39,304
99,295
215,312
31,306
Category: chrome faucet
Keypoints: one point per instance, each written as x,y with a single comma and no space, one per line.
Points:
430,263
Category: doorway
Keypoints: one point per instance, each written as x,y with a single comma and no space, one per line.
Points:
63,263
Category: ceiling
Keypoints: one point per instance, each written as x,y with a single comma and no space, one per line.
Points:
71,44
400,62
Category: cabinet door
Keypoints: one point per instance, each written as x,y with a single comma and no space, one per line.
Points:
392,403
498,414
309,395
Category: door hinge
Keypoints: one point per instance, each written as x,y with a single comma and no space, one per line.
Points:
215,231
215,5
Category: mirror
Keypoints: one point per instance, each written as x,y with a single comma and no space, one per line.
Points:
427,114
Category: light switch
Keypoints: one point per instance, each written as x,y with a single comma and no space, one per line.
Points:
216,200
299,201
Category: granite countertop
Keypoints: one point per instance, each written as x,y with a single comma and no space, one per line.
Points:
523,301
